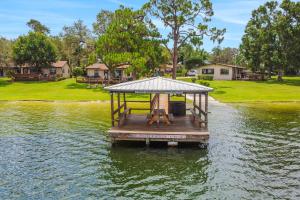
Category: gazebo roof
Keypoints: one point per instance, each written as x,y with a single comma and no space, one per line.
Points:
158,85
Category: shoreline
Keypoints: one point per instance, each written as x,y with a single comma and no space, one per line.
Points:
210,100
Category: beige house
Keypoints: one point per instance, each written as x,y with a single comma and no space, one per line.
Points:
100,70
222,71
58,69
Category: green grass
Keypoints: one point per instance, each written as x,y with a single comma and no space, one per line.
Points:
224,91
256,91
61,90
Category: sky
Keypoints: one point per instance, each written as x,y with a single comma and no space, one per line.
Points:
14,14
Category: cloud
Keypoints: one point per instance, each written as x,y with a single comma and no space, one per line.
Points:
236,12
233,37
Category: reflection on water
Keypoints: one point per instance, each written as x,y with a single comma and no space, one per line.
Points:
61,150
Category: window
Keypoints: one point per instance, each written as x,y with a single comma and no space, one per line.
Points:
52,71
224,71
208,71
96,73
118,73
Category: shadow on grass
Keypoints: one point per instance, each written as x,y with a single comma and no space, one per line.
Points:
291,82
84,86
219,92
5,82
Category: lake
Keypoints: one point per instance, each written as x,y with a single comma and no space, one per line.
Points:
61,151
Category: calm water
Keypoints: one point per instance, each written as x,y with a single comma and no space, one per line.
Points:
61,151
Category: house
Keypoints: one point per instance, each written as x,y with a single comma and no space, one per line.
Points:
222,71
59,69
168,68
4,70
101,71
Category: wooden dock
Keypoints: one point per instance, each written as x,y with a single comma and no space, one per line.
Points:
182,129
165,120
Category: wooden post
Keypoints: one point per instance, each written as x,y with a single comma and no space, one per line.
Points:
200,103
119,110
200,107
194,102
206,110
158,101
124,100
169,104
150,102
112,109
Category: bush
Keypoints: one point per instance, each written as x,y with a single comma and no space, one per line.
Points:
204,83
10,74
168,75
205,77
183,72
78,71
60,79
194,80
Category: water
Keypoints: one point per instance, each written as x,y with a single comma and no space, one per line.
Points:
61,151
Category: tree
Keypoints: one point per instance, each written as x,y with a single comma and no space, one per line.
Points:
271,40
37,26
130,39
288,33
5,52
77,43
191,56
92,58
182,17
59,44
224,55
104,18
34,49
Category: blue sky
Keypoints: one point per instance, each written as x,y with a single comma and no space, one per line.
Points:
230,14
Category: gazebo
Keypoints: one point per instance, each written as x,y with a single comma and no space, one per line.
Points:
165,119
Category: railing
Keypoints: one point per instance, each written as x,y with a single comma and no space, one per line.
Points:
99,80
35,77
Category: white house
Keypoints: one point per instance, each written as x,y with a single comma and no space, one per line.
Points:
100,70
222,71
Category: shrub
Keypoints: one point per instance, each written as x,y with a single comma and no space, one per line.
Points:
205,77
194,80
183,72
78,71
60,78
10,74
204,83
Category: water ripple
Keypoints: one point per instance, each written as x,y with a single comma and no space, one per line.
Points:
61,151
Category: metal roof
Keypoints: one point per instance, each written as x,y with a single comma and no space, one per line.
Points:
158,85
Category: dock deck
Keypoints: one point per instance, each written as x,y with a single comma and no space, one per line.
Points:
182,129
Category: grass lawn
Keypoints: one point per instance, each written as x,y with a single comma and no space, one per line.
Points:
224,91
251,91
62,90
